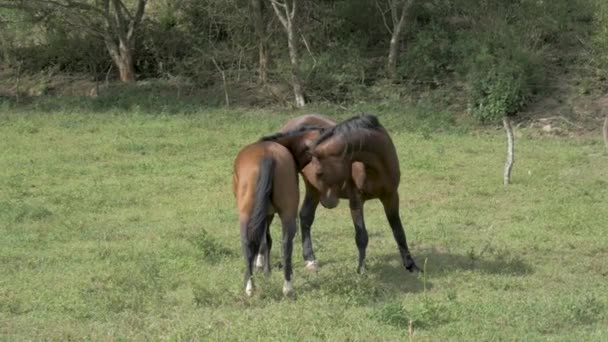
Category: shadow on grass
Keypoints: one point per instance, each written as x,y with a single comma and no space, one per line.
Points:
440,263
386,277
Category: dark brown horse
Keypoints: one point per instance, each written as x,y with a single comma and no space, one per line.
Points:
355,160
265,182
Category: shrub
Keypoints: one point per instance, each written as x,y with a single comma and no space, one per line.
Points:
499,86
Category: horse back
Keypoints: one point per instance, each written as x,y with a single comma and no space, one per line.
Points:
285,193
318,120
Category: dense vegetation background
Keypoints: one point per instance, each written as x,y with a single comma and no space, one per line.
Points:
475,59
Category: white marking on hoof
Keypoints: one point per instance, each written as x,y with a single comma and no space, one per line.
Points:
259,261
312,265
249,288
287,288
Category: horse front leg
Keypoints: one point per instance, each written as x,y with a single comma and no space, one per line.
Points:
361,238
391,209
307,217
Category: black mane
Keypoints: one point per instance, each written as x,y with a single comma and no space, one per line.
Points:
291,133
354,124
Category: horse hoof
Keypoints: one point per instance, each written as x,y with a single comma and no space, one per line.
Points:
249,288
413,268
259,261
288,289
361,268
312,265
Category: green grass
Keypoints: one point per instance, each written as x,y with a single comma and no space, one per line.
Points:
121,225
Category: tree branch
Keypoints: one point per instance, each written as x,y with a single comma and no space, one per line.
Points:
280,15
293,9
119,19
394,5
137,18
404,9
383,13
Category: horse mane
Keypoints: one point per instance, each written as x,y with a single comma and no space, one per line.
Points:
291,133
351,125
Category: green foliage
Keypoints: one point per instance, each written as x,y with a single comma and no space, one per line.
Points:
503,56
392,314
500,85
65,52
494,55
335,76
428,55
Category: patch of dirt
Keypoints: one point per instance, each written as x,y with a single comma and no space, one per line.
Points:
566,110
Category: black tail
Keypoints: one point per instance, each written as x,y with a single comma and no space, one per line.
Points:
257,221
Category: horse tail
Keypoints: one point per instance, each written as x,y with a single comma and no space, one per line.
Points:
257,220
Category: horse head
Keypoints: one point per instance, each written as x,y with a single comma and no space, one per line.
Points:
332,155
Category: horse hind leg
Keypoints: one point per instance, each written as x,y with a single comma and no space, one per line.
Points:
249,250
289,232
263,258
268,245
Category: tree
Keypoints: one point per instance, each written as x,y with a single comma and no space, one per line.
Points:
398,11
110,20
258,25
286,12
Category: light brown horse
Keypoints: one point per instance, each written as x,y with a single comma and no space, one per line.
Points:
355,160
265,182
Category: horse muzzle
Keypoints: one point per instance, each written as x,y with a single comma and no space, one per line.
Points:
330,199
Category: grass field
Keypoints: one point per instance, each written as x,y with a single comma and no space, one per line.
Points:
121,225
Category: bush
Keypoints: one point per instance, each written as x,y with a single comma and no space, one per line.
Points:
500,59
499,85
65,52
334,74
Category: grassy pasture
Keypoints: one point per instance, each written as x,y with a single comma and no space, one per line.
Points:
121,225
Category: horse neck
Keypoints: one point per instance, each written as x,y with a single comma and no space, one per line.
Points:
374,149
294,144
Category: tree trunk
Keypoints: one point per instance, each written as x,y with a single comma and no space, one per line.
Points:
510,150
122,56
119,35
287,16
125,67
394,50
295,68
258,24
398,23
